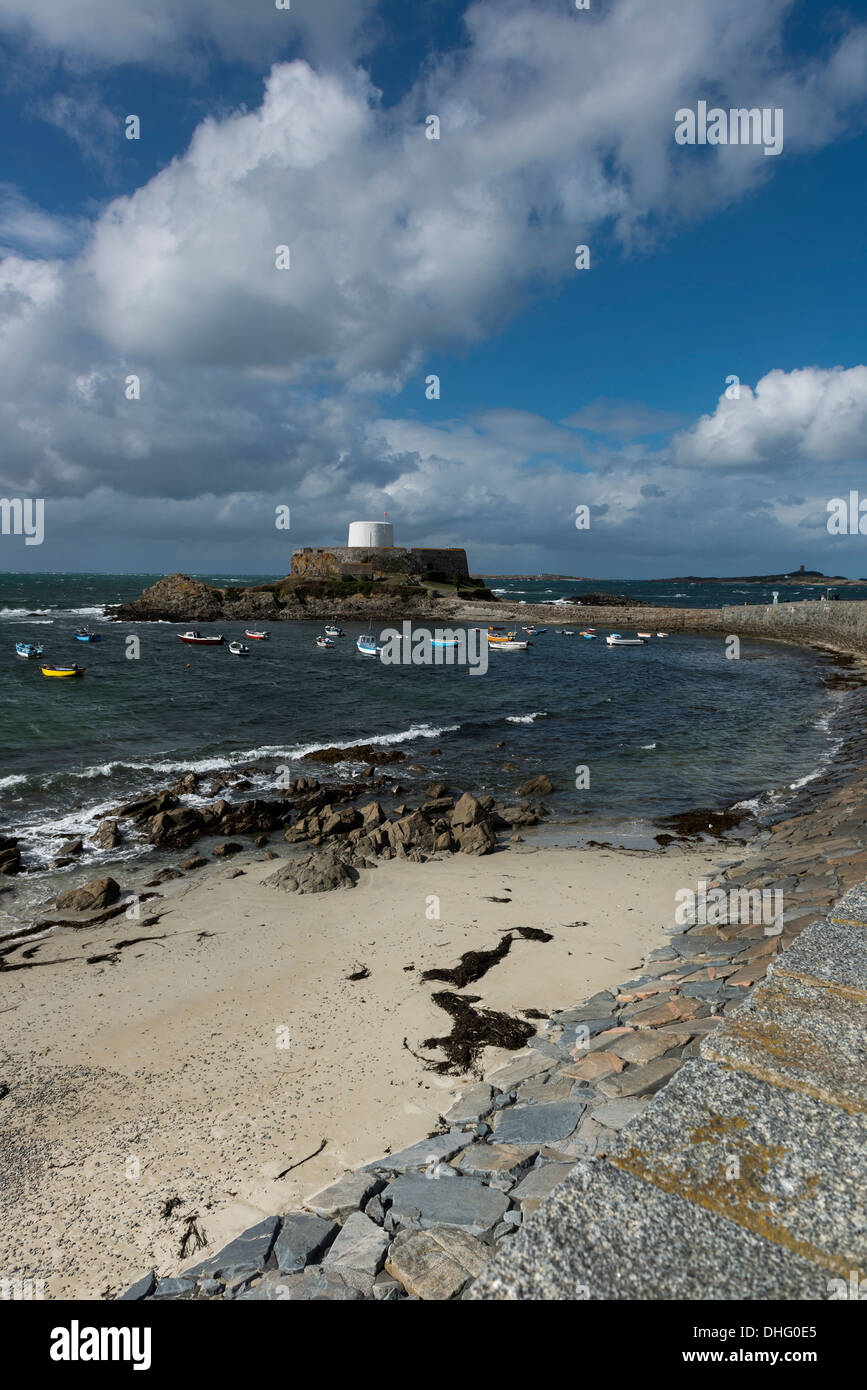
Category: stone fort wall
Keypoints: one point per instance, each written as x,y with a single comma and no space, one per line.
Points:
333,561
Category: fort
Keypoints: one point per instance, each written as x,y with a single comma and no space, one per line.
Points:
370,553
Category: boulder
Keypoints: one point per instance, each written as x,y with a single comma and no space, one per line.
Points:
10,856
536,786
100,892
231,847
314,873
340,822
71,847
436,1264
107,835
467,811
476,839
176,827
361,1244
303,1238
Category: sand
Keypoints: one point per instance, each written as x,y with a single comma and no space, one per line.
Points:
203,1062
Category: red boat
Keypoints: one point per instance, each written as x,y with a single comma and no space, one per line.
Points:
196,639
257,636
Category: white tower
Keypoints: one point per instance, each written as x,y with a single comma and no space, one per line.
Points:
371,534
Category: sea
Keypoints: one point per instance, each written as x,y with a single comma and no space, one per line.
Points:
628,736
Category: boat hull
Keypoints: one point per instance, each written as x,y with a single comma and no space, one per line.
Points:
64,673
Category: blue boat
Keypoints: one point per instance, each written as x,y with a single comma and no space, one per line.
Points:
27,649
367,645
84,634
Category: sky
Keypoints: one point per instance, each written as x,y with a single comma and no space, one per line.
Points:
166,386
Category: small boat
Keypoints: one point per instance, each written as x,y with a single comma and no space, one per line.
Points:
615,640
332,631
84,634
588,635
324,642
439,642
496,641
27,649
645,635
567,632
196,639
63,671
662,634
238,649
257,636
532,631
505,645
367,645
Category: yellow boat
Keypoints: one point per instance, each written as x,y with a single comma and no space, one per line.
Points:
510,637
63,671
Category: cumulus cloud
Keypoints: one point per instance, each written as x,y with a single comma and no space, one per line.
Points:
555,125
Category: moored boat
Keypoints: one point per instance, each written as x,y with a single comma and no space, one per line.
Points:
195,638
662,634
505,645
324,642
84,634
645,635
63,671
533,631
615,640
239,649
333,631
257,636
28,650
366,644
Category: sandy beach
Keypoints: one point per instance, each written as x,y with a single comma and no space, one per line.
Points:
165,1090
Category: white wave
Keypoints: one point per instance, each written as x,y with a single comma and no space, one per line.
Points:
24,612
499,591
526,718
13,780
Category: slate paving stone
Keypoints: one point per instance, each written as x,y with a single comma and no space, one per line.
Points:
794,1033
576,1033
433,1150
347,1194
303,1238
598,1006
314,1285
465,1202
641,1081
538,1124
794,1180
471,1105
492,1162
536,1186
360,1244
642,1047
174,1288
436,1264
521,1069
606,1235
242,1256
552,1087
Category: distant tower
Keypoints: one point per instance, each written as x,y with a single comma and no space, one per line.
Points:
371,534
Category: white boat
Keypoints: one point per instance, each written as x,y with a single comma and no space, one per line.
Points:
662,634
238,649
645,635
615,640
195,638
257,636
332,631
324,642
28,650
504,645
367,645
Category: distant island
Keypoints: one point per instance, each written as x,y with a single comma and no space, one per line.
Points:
800,576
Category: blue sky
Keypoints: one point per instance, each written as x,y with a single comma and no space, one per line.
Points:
412,257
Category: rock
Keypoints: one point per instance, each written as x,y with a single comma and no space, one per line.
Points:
435,790
174,1288
224,851
518,1070
360,1244
10,856
243,1256
314,873
386,1289
100,892
371,814
494,1162
536,786
467,812
437,1263
538,1124
303,1237
346,1195
142,1288
71,847
176,827
340,822
536,1186
476,839
196,861
415,1200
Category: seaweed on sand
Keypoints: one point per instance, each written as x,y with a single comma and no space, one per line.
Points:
474,964
472,1031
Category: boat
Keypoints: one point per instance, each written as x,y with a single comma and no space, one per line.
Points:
533,631
84,634
567,632
440,642
257,636
662,634
63,671
504,644
196,639
645,635
332,631
367,645
588,635
324,642
496,641
27,649
238,649
615,640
